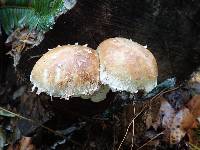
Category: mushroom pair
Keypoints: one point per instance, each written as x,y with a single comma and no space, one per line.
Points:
118,64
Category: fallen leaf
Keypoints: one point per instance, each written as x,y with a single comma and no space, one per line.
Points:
182,122
194,106
24,144
165,115
175,123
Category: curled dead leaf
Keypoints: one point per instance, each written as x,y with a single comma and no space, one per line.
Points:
194,106
165,115
24,144
175,123
182,122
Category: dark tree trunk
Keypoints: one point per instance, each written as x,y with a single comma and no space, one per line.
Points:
170,29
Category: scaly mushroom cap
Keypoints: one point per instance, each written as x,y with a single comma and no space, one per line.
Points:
127,66
65,71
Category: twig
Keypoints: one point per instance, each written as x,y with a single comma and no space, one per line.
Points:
157,95
151,140
35,122
129,127
34,56
170,90
133,127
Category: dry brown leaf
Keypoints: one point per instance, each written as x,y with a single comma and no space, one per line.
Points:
175,123
165,115
21,40
182,122
24,144
194,106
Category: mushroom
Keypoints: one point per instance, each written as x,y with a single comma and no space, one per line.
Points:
73,70
67,71
126,65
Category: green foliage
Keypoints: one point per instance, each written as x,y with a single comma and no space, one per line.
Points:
197,132
197,136
194,147
34,14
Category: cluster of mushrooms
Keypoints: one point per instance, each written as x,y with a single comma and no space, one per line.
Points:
118,64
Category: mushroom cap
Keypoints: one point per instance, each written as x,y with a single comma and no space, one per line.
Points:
127,66
67,71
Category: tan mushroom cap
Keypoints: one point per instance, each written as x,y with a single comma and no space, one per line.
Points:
126,65
67,71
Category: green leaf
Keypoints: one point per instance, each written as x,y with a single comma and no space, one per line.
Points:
35,14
